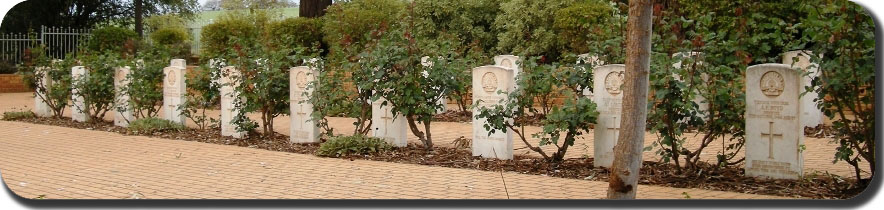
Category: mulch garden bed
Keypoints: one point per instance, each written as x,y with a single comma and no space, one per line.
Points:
709,177
454,116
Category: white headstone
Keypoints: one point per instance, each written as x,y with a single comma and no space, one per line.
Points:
174,93
228,97
303,128
41,108
122,108
180,63
701,102
812,116
384,125
509,62
593,61
443,100
79,108
608,93
773,122
488,81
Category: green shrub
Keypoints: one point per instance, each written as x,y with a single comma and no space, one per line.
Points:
151,125
173,40
18,115
296,32
110,38
7,67
158,22
203,92
470,22
169,36
170,33
526,27
263,87
215,37
58,91
350,24
145,87
579,23
97,87
345,145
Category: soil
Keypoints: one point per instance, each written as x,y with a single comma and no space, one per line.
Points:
820,131
708,177
454,116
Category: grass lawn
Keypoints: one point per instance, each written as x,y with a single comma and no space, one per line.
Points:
206,17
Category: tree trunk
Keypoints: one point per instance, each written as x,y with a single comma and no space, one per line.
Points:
313,8
628,151
139,12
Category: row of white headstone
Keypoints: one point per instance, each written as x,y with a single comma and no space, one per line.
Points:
775,115
173,94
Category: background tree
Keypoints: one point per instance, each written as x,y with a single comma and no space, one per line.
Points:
141,8
211,5
628,151
255,4
313,8
31,14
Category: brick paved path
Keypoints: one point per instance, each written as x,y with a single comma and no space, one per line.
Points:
818,155
61,163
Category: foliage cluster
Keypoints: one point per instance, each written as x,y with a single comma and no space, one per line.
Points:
110,38
296,33
17,115
97,86
841,35
347,145
151,125
57,92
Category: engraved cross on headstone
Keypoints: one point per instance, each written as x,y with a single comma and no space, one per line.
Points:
302,114
615,127
387,119
770,139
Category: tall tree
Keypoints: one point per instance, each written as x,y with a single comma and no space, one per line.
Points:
255,4
139,19
185,8
32,14
628,151
313,8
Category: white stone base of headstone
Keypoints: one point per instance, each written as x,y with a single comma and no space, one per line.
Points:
174,93
122,108
41,108
443,102
228,98
812,116
303,128
384,125
609,99
79,108
774,133
487,83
